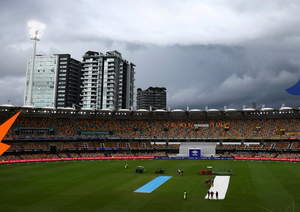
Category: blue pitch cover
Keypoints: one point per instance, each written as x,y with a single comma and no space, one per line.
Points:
152,185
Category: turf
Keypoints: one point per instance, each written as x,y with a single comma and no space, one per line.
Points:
108,186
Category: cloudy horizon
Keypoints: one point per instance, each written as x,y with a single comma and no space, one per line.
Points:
210,53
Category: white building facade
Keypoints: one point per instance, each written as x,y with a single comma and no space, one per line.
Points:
106,81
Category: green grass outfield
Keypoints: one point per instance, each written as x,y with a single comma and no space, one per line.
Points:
108,186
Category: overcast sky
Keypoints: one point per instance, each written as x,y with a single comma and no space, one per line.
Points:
206,53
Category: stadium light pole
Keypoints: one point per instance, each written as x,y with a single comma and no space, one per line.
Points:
36,31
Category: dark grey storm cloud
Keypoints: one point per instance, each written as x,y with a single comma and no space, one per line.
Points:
134,47
217,75
206,53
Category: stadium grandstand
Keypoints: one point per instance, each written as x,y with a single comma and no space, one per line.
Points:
40,133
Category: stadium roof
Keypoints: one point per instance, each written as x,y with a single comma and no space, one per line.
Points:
160,113
28,106
230,109
50,108
267,109
248,109
194,110
6,105
87,109
177,111
142,111
285,108
105,110
124,110
213,112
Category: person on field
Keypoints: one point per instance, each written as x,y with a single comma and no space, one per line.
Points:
217,195
126,166
181,172
212,194
208,193
185,195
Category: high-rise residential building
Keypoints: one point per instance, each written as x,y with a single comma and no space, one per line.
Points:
56,81
153,97
126,82
107,81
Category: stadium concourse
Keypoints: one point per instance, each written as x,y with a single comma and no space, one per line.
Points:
40,133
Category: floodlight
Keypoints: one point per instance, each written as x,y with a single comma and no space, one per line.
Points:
36,30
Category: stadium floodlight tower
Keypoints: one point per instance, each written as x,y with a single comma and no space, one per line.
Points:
36,31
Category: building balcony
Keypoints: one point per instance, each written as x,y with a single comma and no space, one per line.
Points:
111,73
110,94
111,83
90,55
89,78
88,87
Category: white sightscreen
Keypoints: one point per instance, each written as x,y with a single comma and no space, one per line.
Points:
207,149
